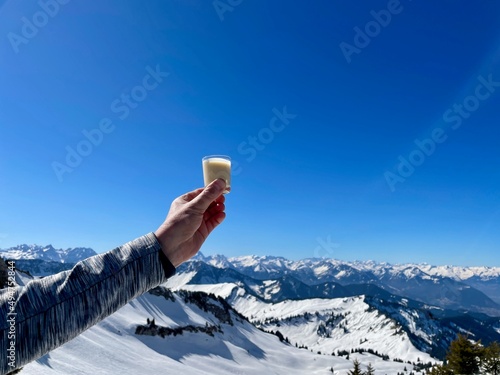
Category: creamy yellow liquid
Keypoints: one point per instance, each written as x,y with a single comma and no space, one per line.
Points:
215,168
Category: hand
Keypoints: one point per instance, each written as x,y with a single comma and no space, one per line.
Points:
192,217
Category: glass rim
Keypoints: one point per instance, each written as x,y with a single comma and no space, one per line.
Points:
208,157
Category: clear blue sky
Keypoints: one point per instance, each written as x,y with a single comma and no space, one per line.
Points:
160,84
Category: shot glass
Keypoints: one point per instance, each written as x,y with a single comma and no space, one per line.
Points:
217,166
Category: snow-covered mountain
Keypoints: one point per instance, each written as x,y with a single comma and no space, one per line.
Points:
427,327
469,289
47,253
45,260
216,311
338,325
485,279
194,334
267,265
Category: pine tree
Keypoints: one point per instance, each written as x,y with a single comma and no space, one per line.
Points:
369,370
357,368
491,359
463,357
280,335
439,370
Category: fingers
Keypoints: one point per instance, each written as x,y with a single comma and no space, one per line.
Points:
188,197
209,194
214,221
221,199
213,209
214,215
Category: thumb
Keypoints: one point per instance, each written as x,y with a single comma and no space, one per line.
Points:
209,194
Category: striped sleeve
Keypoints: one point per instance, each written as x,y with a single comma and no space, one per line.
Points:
48,312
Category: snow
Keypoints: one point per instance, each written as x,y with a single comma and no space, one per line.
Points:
71,255
323,266
462,273
341,274
323,325
111,347
362,324
180,279
321,270
223,290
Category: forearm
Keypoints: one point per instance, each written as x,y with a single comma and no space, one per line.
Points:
55,309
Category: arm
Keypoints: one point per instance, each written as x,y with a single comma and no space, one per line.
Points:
57,308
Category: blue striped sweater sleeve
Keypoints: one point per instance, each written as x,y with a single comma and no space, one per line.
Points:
53,310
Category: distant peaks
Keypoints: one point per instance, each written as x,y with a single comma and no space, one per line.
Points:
48,253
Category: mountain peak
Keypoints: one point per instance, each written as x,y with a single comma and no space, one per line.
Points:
47,253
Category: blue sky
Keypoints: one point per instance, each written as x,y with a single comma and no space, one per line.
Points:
361,130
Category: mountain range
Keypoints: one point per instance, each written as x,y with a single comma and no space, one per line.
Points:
474,289
384,314
47,253
45,260
195,333
430,328
464,288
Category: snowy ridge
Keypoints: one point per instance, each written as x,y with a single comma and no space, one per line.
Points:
237,348
427,328
45,260
467,288
324,325
462,273
323,266
329,311
47,253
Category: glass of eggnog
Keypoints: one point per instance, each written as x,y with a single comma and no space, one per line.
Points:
217,166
